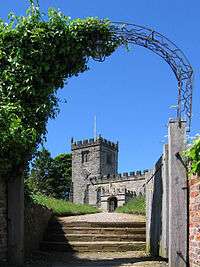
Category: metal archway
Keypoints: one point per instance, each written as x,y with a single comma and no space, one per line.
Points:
162,46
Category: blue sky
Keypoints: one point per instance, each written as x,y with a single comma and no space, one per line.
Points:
131,92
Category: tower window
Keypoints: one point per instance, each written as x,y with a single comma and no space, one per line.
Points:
85,156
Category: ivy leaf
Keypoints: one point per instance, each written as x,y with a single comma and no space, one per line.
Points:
37,57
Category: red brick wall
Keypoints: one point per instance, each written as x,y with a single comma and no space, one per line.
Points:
194,217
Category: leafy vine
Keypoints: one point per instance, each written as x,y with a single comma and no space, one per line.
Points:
193,155
37,56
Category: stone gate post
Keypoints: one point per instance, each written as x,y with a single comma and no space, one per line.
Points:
177,195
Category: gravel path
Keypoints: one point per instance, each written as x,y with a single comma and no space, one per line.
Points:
104,217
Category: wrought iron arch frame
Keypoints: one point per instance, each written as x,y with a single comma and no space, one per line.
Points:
162,46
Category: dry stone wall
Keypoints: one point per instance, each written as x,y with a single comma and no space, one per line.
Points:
3,220
36,222
194,221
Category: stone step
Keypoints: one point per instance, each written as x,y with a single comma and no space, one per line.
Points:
61,223
92,230
93,237
106,246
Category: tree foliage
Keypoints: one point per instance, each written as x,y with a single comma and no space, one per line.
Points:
193,154
37,56
51,176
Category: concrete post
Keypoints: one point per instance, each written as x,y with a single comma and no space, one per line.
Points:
165,204
177,196
16,221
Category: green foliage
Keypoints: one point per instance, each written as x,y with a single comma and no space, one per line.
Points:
50,176
134,206
63,208
193,154
27,195
37,56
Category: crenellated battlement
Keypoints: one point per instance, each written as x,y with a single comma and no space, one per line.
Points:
136,175
132,174
92,142
95,167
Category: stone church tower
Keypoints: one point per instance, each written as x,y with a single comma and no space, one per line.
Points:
91,158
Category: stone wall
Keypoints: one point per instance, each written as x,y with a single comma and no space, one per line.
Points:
36,222
194,221
3,220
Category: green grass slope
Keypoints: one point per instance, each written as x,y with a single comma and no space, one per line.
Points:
134,206
62,207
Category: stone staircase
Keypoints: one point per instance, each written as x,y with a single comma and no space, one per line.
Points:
94,236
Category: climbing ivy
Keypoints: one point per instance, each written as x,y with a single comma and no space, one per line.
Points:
37,55
193,154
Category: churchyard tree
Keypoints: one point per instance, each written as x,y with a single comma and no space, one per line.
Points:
50,176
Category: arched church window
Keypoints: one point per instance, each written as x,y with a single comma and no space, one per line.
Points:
85,156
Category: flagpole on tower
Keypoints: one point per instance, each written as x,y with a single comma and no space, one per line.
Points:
95,127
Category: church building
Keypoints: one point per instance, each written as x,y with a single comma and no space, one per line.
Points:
95,175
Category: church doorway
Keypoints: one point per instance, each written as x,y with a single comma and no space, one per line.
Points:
112,204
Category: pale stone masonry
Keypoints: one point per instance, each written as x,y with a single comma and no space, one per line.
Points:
3,220
95,175
91,158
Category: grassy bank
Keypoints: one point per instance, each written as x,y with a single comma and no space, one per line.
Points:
134,206
62,207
